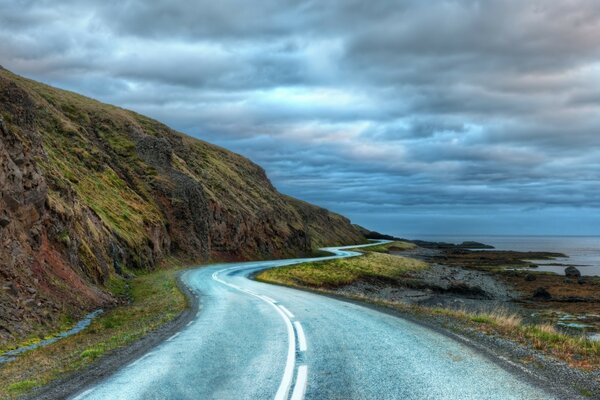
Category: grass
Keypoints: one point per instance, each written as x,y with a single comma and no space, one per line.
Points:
387,247
155,300
577,351
341,272
22,386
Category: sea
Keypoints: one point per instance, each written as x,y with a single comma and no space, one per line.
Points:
583,251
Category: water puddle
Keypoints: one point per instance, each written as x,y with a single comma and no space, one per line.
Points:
81,325
587,325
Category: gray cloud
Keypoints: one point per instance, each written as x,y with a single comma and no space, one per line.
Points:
387,111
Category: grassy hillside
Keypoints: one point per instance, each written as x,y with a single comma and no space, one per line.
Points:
90,193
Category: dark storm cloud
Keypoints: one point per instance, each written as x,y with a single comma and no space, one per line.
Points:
451,110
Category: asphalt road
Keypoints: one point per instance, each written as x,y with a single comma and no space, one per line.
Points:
252,340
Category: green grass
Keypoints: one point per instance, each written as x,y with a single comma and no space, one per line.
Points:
154,300
387,247
21,387
341,272
94,352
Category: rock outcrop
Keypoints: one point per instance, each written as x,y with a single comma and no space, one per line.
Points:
89,193
572,272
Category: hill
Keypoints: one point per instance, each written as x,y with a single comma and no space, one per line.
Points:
91,193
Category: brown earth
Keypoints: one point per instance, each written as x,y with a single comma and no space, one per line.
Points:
91,193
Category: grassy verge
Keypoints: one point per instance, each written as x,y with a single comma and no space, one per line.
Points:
155,300
341,272
326,276
387,247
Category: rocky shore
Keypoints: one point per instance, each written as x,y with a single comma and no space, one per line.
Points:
476,280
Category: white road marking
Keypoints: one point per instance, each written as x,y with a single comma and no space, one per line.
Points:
286,381
173,337
141,358
300,386
83,394
301,337
286,311
288,373
189,323
267,298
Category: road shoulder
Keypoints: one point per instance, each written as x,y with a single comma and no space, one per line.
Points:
78,381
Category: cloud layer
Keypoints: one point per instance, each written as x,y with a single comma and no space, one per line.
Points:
408,116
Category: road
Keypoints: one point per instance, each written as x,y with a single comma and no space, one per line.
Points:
252,340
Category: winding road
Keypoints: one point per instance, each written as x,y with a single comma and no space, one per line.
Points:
252,340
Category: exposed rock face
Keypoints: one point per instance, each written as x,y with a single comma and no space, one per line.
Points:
89,192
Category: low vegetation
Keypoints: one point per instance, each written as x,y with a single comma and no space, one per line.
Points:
345,271
154,300
387,247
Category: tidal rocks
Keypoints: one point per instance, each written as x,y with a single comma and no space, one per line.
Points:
542,293
471,291
572,272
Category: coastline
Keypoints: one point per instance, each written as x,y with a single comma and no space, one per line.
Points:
582,251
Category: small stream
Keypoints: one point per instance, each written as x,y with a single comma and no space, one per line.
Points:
81,325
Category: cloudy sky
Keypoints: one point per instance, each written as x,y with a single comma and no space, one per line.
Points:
410,117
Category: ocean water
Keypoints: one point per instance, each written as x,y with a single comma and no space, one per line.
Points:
582,251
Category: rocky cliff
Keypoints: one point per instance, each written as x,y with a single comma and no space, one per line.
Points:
91,193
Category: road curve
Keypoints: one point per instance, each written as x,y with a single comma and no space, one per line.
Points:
252,340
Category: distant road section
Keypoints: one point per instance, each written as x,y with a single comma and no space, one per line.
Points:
252,340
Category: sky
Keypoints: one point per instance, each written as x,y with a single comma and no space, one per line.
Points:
409,117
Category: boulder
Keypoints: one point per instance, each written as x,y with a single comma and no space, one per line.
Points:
530,277
572,272
541,294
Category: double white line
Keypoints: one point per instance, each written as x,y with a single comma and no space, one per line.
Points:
293,330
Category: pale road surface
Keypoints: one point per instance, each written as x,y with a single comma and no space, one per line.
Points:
252,340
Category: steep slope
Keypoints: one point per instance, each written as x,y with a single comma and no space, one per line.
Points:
90,193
